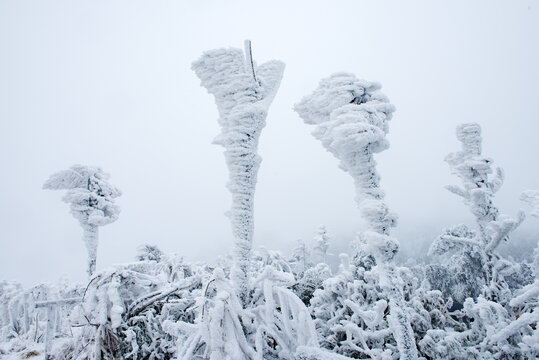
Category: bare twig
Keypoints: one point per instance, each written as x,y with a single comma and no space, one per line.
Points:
249,58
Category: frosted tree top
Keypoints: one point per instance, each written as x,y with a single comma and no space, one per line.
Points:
235,81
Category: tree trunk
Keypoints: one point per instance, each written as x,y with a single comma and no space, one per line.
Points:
90,238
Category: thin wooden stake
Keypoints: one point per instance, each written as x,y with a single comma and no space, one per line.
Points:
249,58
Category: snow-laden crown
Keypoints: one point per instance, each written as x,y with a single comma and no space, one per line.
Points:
351,114
226,74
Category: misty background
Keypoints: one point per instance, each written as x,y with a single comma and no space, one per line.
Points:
109,83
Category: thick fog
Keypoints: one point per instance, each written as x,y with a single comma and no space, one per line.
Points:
110,84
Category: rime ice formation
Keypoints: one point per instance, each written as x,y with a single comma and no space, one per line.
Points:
91,199
351,118
243,93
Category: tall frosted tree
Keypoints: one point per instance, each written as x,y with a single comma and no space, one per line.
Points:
478,263
91,199
351,118
243,93
531,197
479,187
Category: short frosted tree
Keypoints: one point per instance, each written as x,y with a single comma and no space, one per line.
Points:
351,118
478,246
321,239
301,258
531,197
243,93
308,277
479,187
91,199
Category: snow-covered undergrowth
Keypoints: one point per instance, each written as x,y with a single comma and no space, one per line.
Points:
467,303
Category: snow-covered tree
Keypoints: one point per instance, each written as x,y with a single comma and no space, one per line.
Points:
91,199
301,258
482,269
351,118
149,252
499,322
243,93
531,197
321,239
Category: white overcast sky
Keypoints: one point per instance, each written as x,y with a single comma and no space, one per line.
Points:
109,83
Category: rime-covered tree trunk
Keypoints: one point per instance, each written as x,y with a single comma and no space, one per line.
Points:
380,220
243,93
352,118
90,238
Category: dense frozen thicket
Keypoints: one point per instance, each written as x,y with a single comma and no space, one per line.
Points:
160,307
